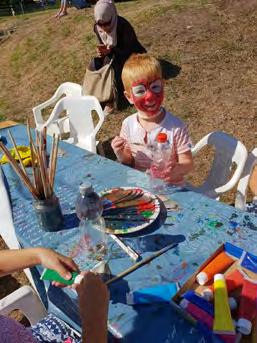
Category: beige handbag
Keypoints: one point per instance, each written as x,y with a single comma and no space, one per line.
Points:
100,83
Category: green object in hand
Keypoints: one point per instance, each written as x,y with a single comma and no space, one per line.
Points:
52,275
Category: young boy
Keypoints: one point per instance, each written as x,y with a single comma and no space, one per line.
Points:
143,84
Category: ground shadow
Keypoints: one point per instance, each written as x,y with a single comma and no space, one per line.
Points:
169,69
108,151
8,284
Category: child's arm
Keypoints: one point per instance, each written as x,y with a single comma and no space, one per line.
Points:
122,150
93,305
175,172
16,260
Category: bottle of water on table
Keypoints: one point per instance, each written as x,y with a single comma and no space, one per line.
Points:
161,156
93,239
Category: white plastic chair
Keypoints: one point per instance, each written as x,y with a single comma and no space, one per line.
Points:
81,126
67,89
26,300
242,186
227,150
7,230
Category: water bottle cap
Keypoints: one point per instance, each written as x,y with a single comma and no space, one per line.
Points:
161,137
85,188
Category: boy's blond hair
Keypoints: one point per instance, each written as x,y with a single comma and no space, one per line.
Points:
138,67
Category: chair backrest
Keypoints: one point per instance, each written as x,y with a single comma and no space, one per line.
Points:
7,230
228,150
82,129
69,89
243,184
65,89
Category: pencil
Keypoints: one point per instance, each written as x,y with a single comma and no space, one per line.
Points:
132,253
141,263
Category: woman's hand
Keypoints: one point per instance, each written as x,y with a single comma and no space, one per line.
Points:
103,50
53,260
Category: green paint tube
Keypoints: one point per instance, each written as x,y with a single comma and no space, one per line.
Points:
52,275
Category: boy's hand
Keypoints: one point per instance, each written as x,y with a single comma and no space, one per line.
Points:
172,174
118,144
53,260
122,150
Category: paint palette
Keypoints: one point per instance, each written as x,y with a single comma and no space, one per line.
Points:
128,209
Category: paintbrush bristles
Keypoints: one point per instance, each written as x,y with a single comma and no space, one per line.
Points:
42,185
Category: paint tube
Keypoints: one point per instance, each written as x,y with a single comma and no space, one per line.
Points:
204,318
52,275
199,301
249,261
160,293
233,250
247,307
217,265
223,323
234,280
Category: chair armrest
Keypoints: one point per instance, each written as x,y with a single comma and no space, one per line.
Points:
37,110
26,300
236,176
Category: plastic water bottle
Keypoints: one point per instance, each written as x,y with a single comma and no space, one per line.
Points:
93,241
161,155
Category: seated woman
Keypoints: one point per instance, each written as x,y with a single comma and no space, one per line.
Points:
92,295
117,40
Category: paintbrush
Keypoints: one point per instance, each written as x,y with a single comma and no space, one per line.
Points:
122,217
141,263
128,210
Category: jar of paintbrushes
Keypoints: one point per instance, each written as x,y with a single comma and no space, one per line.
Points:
41,184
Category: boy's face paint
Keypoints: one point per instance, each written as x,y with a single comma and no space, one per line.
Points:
147,96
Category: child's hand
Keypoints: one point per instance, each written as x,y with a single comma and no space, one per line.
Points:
93,303
172,174
118,145
122,150
53,260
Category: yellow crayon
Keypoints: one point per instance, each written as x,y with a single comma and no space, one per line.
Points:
223,323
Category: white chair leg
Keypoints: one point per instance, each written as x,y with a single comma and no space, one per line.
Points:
26,300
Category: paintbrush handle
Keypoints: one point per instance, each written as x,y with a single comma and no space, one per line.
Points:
131,252
141,263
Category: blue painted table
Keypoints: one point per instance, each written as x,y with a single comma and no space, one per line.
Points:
198,228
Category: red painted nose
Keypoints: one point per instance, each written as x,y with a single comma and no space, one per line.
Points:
149,97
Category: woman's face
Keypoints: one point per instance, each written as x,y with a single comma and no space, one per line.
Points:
105,26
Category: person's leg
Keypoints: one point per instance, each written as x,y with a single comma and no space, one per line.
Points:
252,206
63,8
53,330
253,181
